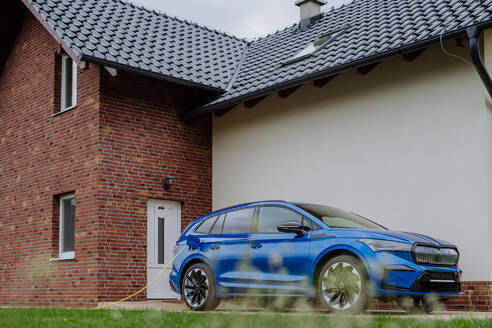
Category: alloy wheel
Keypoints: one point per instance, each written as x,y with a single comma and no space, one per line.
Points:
341,285
196,288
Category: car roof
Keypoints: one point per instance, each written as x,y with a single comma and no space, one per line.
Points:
263,202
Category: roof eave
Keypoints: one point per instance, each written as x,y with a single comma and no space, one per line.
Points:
335,70
81,59
147,73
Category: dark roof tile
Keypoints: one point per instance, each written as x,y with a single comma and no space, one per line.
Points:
128,28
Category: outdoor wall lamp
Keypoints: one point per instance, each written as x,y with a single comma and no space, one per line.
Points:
168,182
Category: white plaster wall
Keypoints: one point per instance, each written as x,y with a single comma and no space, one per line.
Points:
488,63
407,145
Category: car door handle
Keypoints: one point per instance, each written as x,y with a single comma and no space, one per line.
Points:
255,245
214,247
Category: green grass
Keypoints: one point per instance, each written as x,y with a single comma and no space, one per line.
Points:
42,317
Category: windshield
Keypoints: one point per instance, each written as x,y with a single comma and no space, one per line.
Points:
335,218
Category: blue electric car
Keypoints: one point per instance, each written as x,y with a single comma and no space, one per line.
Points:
339,259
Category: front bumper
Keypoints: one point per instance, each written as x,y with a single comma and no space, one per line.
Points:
395,274
444,283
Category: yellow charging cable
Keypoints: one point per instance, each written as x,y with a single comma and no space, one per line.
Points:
141,290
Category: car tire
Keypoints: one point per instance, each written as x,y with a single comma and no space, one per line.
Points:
198,288
342,285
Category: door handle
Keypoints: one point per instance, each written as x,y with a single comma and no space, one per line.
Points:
214,247
255,245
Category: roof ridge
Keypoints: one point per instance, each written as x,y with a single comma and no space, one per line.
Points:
238,67
182,20
258,38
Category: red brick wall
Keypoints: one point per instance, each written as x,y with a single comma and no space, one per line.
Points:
477,297
113,150
40,157
142,141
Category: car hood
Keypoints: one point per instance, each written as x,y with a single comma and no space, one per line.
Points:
406,237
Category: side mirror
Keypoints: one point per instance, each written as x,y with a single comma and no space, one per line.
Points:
193,242
297,229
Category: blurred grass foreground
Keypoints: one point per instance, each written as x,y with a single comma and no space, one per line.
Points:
44,317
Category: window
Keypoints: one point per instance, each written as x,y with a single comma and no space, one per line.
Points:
219,224
269,217
67,227
160,240
206,225
239,222
310,224
313,47
68,84
335,218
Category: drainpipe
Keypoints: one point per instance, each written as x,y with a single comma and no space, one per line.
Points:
473,38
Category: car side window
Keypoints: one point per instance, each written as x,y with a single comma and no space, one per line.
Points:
239,222
217,228
310,224
269,217
206,225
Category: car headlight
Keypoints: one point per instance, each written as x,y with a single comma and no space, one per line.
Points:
378,245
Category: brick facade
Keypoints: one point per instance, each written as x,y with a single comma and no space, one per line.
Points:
113,150
141,141
42,157
478,297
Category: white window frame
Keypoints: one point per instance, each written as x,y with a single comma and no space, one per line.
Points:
64,255
64,107
311,49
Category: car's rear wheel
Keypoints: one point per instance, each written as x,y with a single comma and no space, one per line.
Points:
342,286
198,288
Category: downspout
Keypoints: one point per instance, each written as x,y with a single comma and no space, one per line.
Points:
473,38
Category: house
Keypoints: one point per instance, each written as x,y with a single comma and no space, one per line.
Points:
120,125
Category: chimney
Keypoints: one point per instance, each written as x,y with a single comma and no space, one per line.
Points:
310,11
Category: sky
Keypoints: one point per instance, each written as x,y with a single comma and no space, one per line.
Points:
243,18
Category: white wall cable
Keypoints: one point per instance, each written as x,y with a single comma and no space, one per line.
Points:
448,53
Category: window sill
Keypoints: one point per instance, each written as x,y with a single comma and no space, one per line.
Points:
64,111
63,258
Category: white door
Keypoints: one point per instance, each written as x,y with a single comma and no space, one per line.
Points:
163,229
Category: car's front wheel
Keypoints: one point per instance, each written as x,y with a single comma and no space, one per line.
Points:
198,288
342,286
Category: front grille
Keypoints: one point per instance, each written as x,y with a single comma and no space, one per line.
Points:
438,281
443,275
435,255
